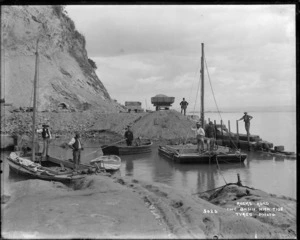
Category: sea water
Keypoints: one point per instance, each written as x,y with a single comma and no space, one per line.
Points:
276,175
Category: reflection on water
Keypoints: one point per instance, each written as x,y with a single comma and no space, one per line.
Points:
262,171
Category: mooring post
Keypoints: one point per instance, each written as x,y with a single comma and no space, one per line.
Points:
237,134
229,133
222,131
248,139
215,126
239,183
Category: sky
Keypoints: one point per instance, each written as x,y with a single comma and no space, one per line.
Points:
145,50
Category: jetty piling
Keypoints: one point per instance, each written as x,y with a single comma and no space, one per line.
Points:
246,141
230,142
237,134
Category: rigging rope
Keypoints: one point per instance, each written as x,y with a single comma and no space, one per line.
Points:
217,104
192,87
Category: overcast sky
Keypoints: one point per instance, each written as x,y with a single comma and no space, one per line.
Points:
144,50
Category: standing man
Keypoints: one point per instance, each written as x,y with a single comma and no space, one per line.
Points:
199,134
211,136
129,136
77,147
46,135
183,105
246,119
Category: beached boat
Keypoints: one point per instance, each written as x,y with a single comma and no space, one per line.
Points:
189,154
186,154
44,171
144,146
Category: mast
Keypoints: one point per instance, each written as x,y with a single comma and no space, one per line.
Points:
202,86
34,100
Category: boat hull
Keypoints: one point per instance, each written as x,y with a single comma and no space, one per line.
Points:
128,150
16,168
204,158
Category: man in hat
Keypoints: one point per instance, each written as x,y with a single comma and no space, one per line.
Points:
77,147
129,136
211,136
246,119
199,134
46,135
183,105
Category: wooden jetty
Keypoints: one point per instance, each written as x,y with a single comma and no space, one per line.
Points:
224,137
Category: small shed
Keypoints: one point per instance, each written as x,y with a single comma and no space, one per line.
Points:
134,106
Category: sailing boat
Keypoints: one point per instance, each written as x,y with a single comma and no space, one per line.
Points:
31,165
189,154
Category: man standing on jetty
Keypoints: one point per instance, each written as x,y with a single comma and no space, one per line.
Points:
77,147
211,136
183,105
246,119
129,136
46,135
199,134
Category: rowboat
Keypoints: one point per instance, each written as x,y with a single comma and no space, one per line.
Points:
53,172
143,147
108,162
189,154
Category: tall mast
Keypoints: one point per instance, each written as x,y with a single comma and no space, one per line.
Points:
34,100
202,86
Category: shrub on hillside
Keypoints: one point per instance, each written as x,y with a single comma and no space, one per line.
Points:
58,10
92,63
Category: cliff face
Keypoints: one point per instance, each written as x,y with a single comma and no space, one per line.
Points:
65,74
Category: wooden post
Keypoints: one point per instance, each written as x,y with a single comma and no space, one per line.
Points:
248,139
202,85
215,125
239,183
229,134
237,134
222,132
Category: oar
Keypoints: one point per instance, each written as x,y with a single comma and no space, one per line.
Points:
105,146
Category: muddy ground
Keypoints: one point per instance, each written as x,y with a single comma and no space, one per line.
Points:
115,207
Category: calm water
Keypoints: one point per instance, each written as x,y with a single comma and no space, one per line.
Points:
275,175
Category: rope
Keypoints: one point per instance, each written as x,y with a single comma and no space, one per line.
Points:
192,87
220,169
217,104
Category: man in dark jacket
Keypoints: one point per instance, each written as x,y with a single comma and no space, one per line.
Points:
77,147
46,135
129,136
211,136
183,105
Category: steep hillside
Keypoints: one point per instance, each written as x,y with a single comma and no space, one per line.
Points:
65,74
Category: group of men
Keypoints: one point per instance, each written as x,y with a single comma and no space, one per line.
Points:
75,143
209,134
